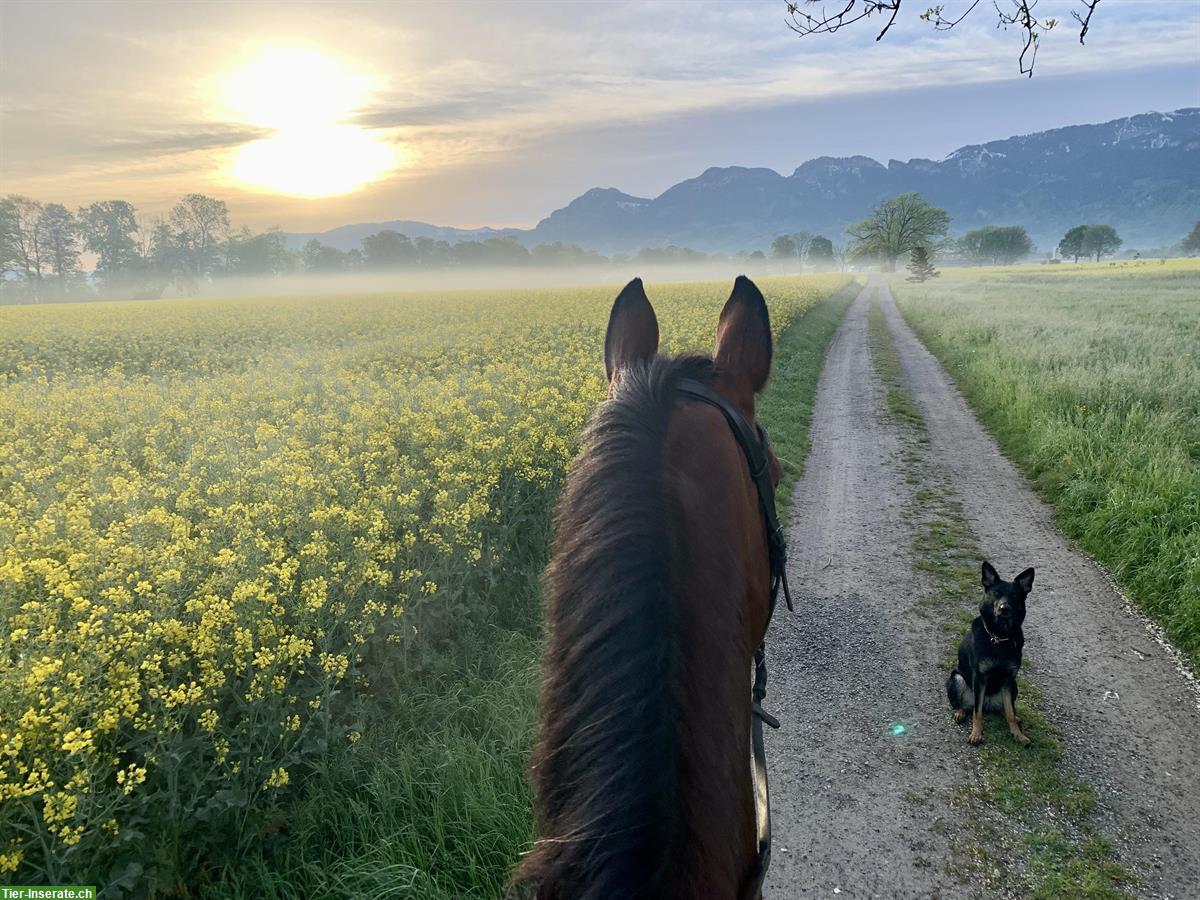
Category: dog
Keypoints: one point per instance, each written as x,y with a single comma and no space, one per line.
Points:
989,655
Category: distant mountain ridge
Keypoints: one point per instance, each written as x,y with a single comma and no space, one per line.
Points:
1140,174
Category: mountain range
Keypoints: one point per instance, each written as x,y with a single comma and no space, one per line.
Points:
1140,174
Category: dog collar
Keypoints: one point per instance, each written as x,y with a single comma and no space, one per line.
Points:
995,640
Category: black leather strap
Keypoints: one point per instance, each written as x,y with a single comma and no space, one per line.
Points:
754,447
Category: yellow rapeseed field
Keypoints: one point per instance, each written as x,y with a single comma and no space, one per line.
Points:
220,518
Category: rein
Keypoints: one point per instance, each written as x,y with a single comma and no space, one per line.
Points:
755,449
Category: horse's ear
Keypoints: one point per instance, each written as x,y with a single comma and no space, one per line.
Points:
632,335
744,335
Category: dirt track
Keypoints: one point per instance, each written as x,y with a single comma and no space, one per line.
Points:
862,811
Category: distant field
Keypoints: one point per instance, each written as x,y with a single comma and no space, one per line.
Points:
232,531
1088,376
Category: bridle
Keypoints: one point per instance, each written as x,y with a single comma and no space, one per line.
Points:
757,452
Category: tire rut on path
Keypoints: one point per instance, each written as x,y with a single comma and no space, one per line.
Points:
857,808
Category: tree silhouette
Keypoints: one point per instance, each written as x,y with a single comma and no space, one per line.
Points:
999,245
1101,240
1191,244
920,266
1072,243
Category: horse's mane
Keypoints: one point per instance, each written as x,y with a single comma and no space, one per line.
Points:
606,765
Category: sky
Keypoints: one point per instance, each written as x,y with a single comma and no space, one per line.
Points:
311,115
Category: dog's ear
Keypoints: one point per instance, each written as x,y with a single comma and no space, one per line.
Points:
990,576
1025,580
632,335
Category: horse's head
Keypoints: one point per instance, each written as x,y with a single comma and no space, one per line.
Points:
741,357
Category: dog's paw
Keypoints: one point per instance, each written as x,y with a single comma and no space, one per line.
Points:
975,738
960,716
1021,739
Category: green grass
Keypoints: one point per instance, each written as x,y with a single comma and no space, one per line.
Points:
786,408
1089,381
433,802
1026,786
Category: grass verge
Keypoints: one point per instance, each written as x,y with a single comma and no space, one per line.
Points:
786,408
1030,818
432,802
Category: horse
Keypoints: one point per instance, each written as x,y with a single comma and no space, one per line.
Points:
659,592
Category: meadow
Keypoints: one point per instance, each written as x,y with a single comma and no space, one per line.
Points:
1088,377
233,531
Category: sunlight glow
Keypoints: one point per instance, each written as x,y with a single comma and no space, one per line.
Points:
305,95
320,161
290,87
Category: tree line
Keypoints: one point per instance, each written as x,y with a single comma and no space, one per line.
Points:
43,246
389,249
908,226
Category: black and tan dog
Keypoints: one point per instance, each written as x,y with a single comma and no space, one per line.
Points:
989,655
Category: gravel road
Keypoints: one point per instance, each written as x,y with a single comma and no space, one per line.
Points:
866,767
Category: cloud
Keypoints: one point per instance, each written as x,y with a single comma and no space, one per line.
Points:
486,85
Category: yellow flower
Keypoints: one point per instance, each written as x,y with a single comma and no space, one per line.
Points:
212,511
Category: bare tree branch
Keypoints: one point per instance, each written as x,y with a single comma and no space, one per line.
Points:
1085,20
1019,14
934,15
825,23
1022,17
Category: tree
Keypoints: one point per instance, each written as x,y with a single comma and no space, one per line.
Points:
897,227
1072,243
24,239
999,245
1017,14
560,254
1100,240
920,265
60,238
802,240
9,238
504,251
388,249
108,230
316,257
783,247
256,254
1191,244
200,223
820,251
432,254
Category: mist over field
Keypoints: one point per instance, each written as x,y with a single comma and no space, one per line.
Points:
403,282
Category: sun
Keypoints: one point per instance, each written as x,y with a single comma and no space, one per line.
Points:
305,96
